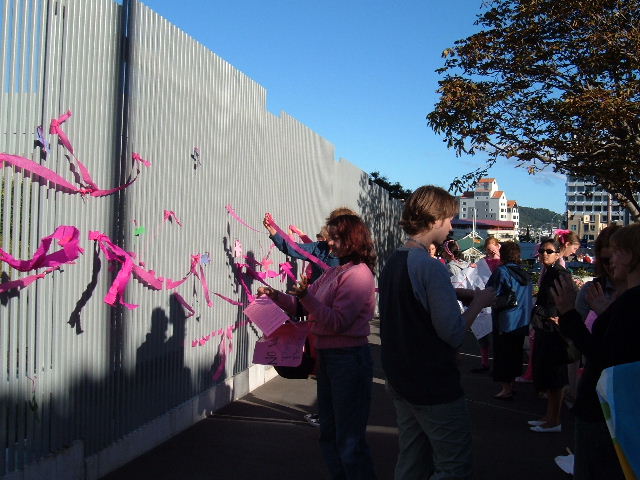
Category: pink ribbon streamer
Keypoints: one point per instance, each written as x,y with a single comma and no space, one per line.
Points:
26,281
184,303
55,128
295,246
297,231
68,238
29,166
137,158
198,271
116,254
227,299
223,350
240,220
171,215
252,273
286,271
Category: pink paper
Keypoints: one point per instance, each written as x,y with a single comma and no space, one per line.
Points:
264,313
284,347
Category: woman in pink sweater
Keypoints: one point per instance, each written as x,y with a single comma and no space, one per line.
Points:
341,304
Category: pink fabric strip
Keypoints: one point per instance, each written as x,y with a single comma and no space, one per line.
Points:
295,246
240,220
238,274
297,231
117,254
223,350
55,128
184,303
252,273
26,281
171,215
198,272
29,166
68,238
137,158
286,271
227,299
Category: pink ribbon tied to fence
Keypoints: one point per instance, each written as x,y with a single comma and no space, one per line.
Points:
114,253
198,271
171,216
226,345
55,128
137,158
41,172
68,238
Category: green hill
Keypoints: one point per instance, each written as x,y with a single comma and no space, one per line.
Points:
537,217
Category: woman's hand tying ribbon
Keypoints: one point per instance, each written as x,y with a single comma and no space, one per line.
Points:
300,289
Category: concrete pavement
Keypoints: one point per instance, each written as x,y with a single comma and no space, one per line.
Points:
264,435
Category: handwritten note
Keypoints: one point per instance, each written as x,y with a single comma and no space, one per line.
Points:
265,314
284,347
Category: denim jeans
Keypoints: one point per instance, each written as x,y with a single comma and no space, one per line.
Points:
344,396
434,440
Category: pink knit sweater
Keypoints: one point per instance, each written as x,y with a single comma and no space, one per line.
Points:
341,303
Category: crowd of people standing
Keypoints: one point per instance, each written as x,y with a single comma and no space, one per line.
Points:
423,320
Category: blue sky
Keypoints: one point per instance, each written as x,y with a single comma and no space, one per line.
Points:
361,73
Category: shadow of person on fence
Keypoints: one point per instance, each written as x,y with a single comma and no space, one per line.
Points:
74,318
9,294
161,379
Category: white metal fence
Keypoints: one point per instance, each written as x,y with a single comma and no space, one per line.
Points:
72,367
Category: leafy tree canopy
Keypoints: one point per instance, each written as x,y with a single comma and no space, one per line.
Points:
395,189
552,84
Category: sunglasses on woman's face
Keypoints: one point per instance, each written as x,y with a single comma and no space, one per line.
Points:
548,251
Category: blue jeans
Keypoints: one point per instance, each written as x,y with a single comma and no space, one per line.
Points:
434,440
344,395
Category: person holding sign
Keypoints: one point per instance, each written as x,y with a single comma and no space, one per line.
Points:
340,304
421,328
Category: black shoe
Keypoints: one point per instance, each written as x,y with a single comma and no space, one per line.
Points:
480,370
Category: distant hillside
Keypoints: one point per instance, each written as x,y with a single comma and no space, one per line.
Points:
537,217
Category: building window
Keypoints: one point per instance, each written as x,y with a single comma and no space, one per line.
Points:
574,227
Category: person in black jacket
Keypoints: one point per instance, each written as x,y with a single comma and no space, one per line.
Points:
549,356
613,340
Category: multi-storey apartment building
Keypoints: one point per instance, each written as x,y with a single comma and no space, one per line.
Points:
584,198
590,209
488,202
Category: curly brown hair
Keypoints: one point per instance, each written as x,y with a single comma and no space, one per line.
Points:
356,238
425,206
